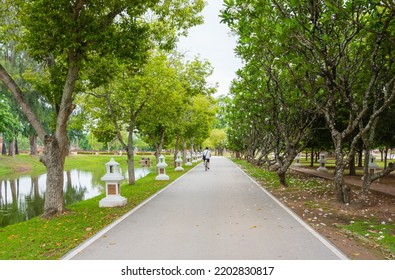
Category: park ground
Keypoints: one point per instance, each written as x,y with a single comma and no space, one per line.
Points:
362,230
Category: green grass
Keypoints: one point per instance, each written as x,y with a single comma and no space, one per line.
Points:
377,232
259,174
20,164
39,239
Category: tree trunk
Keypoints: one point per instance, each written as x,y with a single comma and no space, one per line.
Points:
282,178
56,145
16,146
192,148
184,152
33,145
386,156
129,150
3,148
360,152
367,180
312,157
11,148
53,158
132,177
341,192
176,149
352,170
159,147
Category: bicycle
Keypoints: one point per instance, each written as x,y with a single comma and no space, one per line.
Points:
205,164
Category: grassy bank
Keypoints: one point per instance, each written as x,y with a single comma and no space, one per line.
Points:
38,239
20,164
31,164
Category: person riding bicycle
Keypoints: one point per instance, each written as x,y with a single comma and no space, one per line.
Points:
207,156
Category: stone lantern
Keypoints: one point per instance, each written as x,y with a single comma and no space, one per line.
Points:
194,157
161,167
372,164
188,159
179,163
297,159
113,178
322,162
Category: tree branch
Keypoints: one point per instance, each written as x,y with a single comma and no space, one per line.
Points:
24,106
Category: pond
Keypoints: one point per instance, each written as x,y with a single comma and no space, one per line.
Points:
22,197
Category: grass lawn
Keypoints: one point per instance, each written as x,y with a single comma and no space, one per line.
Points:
39,239
20,164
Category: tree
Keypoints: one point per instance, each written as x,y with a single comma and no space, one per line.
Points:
8,122
217,140
338,54
64,35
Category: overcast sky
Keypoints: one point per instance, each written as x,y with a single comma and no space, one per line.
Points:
212,41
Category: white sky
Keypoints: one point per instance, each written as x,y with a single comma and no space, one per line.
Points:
212,41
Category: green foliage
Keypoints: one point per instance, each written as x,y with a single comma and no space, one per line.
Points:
305,58
217,140
269,178
9,123
20,163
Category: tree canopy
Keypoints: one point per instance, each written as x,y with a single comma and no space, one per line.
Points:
65,37
335,56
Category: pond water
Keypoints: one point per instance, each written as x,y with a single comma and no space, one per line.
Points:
22,198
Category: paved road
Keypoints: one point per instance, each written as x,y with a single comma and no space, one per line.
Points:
220,214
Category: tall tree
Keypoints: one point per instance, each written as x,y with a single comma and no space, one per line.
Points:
64,35
9,123
339,54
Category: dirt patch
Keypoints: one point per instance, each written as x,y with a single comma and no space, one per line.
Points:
22,168
317,207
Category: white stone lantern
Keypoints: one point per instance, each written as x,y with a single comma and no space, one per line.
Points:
161,166
372,164
179,163
297,159
113,178
188,159
194,157
322,162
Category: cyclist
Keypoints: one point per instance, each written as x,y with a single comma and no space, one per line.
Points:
206,157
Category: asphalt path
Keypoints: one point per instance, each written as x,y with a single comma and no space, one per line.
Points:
219,214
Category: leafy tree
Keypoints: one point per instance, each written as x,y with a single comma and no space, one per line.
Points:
337,53
197,120
198,108
217,140
8,123
385,136
64,35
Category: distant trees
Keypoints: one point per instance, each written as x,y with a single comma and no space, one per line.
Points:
165,99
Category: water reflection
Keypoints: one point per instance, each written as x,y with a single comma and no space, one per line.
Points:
22,198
